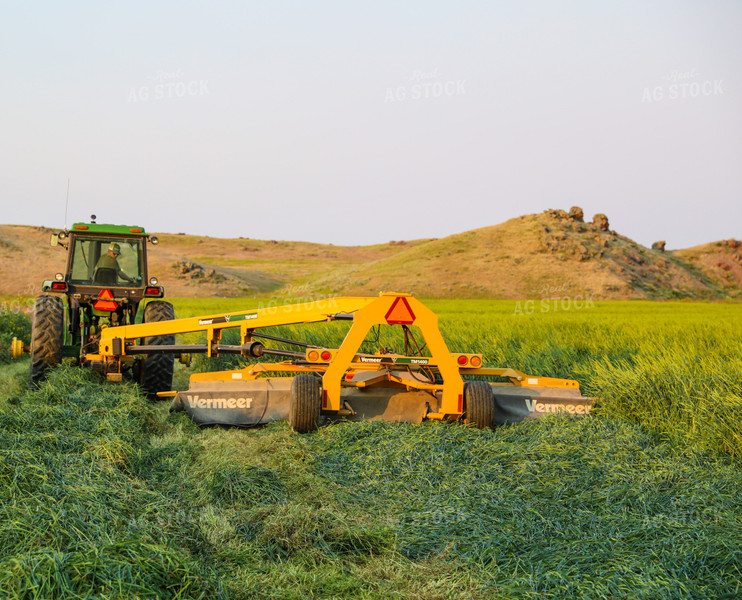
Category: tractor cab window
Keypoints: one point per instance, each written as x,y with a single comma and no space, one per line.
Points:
107,261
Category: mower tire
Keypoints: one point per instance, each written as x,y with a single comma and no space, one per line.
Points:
306,402
47,337
479,404
156,370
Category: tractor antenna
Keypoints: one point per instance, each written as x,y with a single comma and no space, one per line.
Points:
67,203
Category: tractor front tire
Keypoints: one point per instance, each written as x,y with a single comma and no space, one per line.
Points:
479,404
47,337
156,370
306,402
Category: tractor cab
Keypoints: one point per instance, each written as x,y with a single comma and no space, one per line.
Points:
105,284
105,259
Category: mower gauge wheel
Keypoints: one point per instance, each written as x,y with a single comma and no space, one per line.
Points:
306,402
479,404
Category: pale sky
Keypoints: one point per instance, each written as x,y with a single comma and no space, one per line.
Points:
358,123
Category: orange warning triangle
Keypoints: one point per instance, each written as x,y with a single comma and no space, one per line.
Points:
105,301
400,313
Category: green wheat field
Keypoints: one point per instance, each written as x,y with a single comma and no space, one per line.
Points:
105,495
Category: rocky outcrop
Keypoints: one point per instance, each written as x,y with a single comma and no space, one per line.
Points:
187,269
576,214
601,222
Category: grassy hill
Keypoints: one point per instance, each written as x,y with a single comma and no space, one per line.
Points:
533,256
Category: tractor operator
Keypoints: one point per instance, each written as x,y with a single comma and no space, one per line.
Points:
110,261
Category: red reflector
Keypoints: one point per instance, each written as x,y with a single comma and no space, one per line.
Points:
136,230
326,355
106,294
81,226
461,403
462,360
349,376
59,285
400,313
152,291
324,398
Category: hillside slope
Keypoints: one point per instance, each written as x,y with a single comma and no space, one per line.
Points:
534,256
720,261
546,255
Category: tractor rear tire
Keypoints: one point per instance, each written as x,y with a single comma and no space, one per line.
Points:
306,402
47,337
479,404
156,370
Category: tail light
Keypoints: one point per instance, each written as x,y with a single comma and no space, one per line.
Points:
470,361
315,355
153,291
59,286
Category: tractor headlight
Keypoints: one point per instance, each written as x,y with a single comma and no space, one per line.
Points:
59,277
153,280
153,240
62,235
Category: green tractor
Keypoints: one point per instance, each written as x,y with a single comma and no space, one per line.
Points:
105,284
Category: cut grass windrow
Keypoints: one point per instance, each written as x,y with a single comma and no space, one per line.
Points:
106,496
